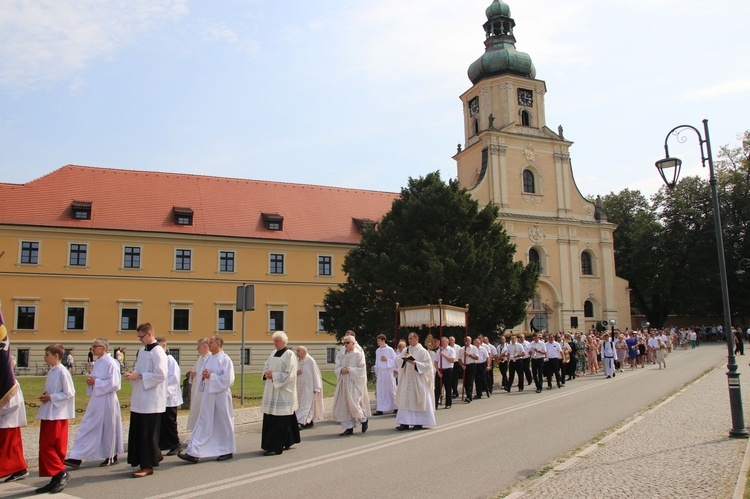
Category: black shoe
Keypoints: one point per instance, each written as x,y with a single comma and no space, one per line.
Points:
18,475
417,427
559,385
108,462
455,395
346,433
273,453
448,406
549,387
73,463
300,426
46,488
467,401
538,390
614,374
365,425
62,479
224,457
507,389
187,457
378,413
174,451
308,425
608,377
520,388
402,427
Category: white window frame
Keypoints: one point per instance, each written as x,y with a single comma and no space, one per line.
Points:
140,258
275,307
317,262
69,265
38,253
26,302
75,303
136,304
284,263
226,305
174,260
181,305
234,261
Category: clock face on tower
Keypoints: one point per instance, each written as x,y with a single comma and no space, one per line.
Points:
474,106
525,97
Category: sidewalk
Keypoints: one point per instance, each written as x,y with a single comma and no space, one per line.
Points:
679,448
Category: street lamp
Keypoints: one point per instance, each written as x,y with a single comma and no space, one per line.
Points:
612,323
744,263
669,169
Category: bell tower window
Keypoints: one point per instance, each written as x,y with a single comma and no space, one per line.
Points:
525,118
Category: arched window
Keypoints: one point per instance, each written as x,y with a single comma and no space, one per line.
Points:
525,118
535,257
528,182
476,127
588,309
587,267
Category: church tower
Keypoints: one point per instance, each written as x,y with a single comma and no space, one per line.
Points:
512,159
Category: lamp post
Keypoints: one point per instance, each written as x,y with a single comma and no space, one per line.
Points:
744,263
669,169
612,323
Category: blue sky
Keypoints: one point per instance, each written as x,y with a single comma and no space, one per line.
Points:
354,93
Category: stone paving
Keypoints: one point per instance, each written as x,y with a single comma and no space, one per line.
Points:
679,448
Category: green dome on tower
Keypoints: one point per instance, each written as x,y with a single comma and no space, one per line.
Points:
500,54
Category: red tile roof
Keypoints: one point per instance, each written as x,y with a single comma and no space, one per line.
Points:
143,201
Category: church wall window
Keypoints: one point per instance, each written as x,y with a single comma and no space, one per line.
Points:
588,308
528,182
587,264
525,118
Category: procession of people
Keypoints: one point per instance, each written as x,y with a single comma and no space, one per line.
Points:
412,382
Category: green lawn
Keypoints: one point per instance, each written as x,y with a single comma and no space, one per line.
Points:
33,386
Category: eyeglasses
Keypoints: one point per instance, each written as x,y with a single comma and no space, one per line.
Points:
141,336
347,342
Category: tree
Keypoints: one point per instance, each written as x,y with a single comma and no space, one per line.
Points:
435,243
666,246
637,239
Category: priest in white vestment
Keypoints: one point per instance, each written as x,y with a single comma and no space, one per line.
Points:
385,372
309,390
195,377
351,402
100,432
213,435
415,391
280,427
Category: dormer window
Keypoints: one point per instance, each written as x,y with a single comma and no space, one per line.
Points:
81,210
273,221
361,223
182,215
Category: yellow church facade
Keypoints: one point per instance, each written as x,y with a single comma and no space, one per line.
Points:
512,159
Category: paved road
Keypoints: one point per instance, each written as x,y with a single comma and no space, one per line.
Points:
476,450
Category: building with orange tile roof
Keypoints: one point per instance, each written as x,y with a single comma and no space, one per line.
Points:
92,252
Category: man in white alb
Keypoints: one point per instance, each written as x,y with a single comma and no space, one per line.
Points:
414,395
213,435
385,370
309,390
100,432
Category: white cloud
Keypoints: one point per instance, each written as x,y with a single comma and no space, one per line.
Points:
51,40
223,33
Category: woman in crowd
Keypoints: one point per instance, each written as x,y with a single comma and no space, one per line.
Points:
621,349
582,363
